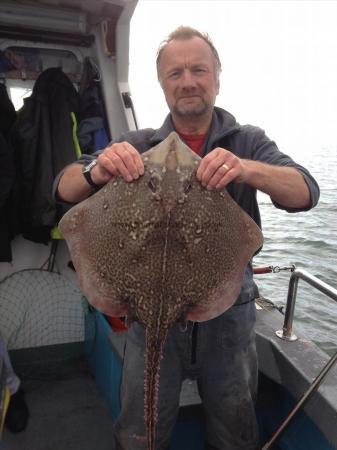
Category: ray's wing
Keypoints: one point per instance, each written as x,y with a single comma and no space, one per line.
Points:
219,240
105,235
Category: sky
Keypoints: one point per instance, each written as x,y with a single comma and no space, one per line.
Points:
279,61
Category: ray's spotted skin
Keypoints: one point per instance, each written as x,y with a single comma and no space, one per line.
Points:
159,250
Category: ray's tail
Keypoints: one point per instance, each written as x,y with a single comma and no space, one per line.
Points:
154,351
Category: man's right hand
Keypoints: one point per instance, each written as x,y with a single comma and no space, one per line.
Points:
118,159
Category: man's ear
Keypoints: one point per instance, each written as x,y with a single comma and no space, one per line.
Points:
218,84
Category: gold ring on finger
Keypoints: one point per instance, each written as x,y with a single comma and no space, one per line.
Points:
225,167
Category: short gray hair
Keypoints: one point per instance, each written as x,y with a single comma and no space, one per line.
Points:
183,33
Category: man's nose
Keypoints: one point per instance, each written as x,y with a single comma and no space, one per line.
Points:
188,80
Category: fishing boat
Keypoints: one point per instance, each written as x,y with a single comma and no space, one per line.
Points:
68,355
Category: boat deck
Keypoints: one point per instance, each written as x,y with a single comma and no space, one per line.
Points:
67,412
70,409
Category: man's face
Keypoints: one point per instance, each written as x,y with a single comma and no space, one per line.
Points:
189,78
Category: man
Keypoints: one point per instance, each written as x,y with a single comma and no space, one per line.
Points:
219,353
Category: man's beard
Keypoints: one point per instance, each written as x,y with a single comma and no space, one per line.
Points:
196,110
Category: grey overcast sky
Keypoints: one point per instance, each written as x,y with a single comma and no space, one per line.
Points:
279,63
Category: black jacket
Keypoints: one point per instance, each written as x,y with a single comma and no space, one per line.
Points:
43,141
7,173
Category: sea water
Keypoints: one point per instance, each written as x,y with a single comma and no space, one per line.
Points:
308,240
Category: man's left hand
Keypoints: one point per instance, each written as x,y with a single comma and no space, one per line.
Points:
220,167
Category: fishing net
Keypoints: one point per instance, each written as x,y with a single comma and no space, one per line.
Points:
39,307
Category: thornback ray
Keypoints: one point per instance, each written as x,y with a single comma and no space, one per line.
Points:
159,250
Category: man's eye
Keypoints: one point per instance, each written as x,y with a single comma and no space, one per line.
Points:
199,70
174,75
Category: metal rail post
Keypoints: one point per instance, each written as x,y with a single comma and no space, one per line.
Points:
286,333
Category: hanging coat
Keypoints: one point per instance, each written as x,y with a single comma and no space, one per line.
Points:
43,141
92,130
7,174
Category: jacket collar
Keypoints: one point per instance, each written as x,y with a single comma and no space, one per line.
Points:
223,124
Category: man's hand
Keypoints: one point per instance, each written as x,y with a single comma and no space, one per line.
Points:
220,167
285,185
118,159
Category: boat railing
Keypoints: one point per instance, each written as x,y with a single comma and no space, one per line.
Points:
297,274
287,334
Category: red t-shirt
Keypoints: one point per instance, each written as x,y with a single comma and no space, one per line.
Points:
194,141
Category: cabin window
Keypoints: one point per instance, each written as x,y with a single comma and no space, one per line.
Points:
27,63
18,94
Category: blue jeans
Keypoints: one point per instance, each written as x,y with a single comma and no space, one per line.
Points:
221,356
